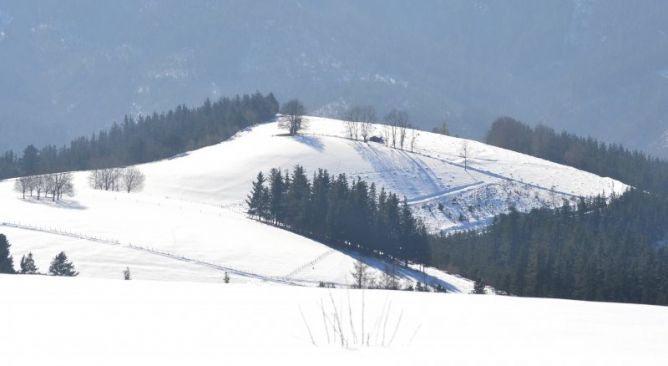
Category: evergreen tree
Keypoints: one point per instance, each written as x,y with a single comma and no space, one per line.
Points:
479,287
126,274
6,260
28,264
258,200
277,190
61,266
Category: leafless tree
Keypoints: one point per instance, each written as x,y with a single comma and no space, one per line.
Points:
367,118
105,179
464,152
351,123
49,185
22,185
61,185
40,185
361,274
414,135
293,116
359,121
398,124
132,179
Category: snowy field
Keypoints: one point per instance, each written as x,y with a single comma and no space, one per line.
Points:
188,222
62,321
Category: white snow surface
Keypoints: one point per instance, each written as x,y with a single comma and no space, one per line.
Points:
64,321
188,223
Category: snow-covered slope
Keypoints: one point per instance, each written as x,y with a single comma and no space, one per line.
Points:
188,223
57,321
433,173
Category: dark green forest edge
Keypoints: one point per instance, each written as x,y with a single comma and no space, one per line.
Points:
148,138
340,213
608,251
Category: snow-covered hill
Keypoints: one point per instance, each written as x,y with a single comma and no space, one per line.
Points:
433,173
60,321
188,223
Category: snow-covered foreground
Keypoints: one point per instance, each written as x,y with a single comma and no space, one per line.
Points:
188,222
60,321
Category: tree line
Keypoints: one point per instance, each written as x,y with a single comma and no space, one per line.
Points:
56,184
146,138
599,250
339,212
114,179
608,160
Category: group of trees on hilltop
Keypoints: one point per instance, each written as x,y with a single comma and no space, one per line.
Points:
146,138
56,184
60,265
339,212
607,160
128,179
616,251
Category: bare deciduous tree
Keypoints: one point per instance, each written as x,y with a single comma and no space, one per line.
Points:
22,185
361,275
61,183
398,125
464,153
367,118
105,179
413,140
359,121
132,179
40,184
293,116
56,184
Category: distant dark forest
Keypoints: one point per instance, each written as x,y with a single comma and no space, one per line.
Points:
607,250
148,138
608,160
615,251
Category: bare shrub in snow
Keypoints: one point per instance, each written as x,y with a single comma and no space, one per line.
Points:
344,324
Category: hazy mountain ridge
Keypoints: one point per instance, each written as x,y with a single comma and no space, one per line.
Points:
588,66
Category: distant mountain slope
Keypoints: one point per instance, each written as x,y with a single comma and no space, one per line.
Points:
588,66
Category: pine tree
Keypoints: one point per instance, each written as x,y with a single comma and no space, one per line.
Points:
28,264
257,201
277,188
61,266
479,287
126,274
6,260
